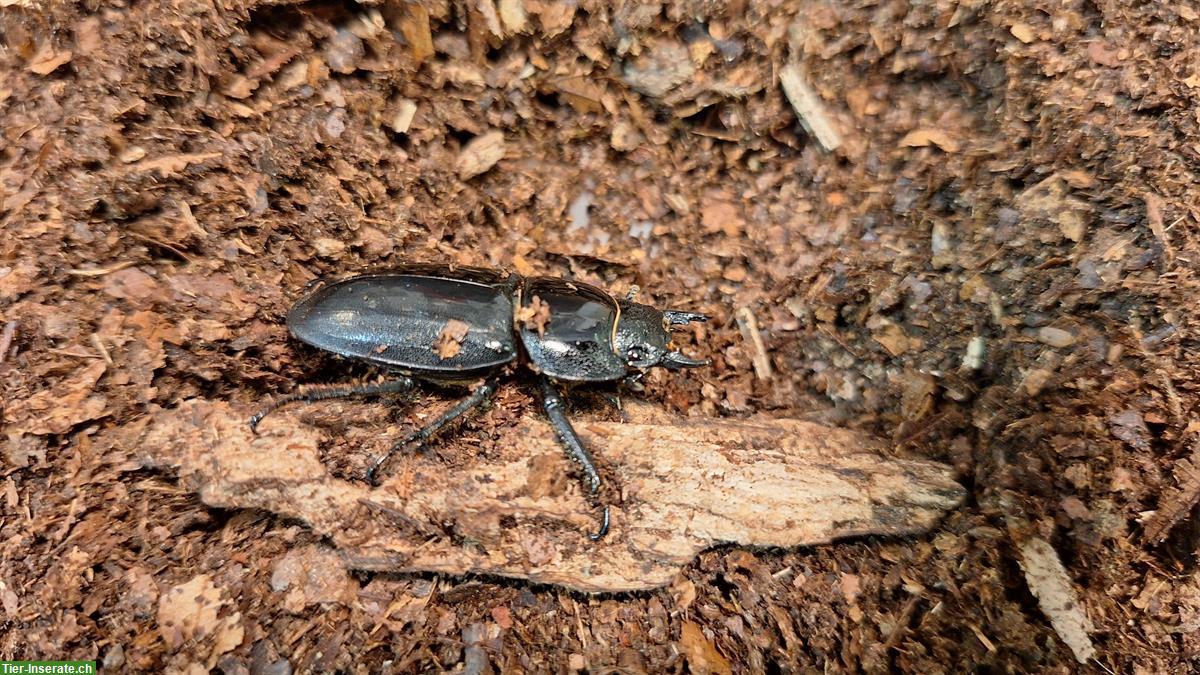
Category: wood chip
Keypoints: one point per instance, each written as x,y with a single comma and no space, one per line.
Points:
809,107
312,575
480,154
702,655
48,60
1154,218
1055,337
1023,32
172,164
1176,503
404,111
6,338
1050,584
414,26
920,138
581,93
512,15
555,17
535,315
665,66
73,401
491,19
188,611
718,213
449,341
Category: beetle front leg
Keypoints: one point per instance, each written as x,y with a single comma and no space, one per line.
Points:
323,392
477,397
567,436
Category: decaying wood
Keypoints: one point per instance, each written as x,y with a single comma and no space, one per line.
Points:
1176,503
809,107
685,484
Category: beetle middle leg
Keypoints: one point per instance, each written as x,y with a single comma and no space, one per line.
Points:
477,397
321,392
567,436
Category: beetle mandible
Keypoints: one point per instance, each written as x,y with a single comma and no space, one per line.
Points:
462,325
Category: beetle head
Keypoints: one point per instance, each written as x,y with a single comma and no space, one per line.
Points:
643,337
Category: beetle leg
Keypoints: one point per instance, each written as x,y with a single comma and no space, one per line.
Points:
634,381
418,438
555,410
615,400
321,392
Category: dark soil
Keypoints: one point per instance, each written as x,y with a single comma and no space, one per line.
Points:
1017,175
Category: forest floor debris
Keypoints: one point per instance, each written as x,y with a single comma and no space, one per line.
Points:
1017,175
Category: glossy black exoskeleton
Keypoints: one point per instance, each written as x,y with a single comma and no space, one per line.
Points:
467,325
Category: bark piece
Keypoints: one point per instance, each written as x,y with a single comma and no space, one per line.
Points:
687,485
1176,503
1051,585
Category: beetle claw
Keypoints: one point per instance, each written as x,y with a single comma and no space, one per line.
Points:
373,472
597,536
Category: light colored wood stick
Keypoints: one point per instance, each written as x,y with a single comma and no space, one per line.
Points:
809,107
685,485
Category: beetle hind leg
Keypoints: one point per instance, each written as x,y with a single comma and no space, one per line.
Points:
569,438
324,392
418,438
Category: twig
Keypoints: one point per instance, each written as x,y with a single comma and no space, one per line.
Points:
158,242
809,107
101,271
78,355
748,325
103,350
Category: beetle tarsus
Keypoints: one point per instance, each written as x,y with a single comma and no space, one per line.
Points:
255,419
314,393
604,521
418,438
373,472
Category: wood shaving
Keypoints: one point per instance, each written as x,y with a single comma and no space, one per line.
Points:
535,315
450,339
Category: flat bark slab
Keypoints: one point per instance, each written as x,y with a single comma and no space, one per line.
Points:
685,485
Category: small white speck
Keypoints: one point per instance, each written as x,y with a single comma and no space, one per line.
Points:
640,229
976,350
579,211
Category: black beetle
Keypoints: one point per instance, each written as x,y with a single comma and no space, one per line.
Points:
459,325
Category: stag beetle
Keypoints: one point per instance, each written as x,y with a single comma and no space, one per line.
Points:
464,325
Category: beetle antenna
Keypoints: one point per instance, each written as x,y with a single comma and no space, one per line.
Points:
677,317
